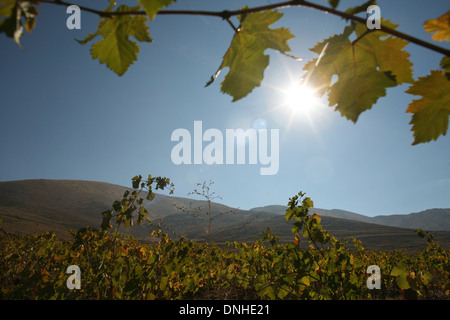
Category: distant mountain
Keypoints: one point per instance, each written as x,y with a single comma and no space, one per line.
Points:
336,213
54,205
430,220
36,206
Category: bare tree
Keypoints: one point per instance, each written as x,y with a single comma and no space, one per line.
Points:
205,215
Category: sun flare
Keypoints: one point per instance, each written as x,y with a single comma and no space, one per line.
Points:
301,98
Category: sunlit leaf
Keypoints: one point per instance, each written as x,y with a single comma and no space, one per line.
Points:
441,27
445,65
361,8
364,69
152,7
333,3
245,57
116,49
431,112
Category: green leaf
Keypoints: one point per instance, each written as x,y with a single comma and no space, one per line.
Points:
431,112
12,25
136,181
402,282
333,3
388,53
364,69
426,277
8,17
445,65
163,283
116,49
152,7
296,227
439,25
399,270
289,213
270,293
307,203
245,57
106,220
150,196
360,8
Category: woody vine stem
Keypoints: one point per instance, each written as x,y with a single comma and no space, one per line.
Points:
226,15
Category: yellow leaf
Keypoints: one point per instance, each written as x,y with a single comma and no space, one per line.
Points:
441,25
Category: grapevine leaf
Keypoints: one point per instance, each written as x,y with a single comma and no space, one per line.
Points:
333,3
387,53
360,8
289,213
245,57
364,69
432,111
150,196
11,13
8,23
402,282
441,25
136,181
398,270
163,283
116,49
152,7
445,65
107,215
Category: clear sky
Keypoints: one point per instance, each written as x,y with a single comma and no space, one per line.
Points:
65,116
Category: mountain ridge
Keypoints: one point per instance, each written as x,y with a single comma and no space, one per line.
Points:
435,219
41,205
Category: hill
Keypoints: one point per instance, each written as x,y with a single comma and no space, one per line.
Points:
36,206
431,219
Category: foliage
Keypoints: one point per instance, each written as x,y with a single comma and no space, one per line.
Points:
119,267
365,67
245,57
127,211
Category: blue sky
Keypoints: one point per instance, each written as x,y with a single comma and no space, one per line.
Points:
65,116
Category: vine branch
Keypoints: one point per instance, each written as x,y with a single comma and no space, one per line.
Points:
226,15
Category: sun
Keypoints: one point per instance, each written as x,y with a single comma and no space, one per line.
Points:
300,98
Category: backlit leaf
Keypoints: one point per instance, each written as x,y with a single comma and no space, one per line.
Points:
11,14
245,57
360,8
445,65
116,49
333,3
364,69
152,7
432,111
439,25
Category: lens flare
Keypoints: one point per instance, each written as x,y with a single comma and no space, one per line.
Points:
301,98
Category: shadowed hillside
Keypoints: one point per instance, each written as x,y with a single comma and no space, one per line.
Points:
36,206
